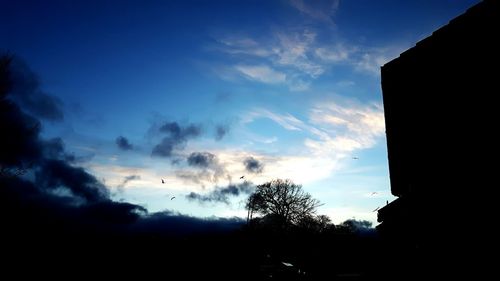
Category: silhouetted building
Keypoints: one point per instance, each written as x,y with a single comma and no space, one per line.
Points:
440,103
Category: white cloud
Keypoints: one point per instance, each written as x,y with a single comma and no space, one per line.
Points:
349,127
261,73
336,131
359,119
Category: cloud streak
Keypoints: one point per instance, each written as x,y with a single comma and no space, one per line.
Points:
127,179
222,194
261,73
287,121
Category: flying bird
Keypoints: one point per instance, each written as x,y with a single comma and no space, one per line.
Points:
172,198
355,158
242,177
162,181
373,193
376,209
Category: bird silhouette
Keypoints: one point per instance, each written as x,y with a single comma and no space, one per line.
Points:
376,209
162,181
355,158
172,198
242,177
373,193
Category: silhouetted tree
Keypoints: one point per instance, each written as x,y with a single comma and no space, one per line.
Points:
316,224
286,202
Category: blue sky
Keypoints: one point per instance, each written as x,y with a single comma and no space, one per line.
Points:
293,86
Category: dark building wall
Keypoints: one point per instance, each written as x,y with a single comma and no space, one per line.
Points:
441,114
437,96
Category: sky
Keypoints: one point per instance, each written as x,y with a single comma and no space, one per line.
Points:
215,97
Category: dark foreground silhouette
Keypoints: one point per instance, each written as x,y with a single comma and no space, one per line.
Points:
51,240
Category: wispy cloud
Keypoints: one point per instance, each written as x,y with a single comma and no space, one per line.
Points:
358,119
290,52
297,58
335,54
321,10
287,121
370,60
261,73
294,51
128,179
243,46
335,129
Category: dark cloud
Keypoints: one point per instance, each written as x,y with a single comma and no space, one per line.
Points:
207,167
23,149
175,139
123,143
221,131
129,178
54,149
19,143
201,159
222,194
360,227
25,91
55,174
179,224
253,165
